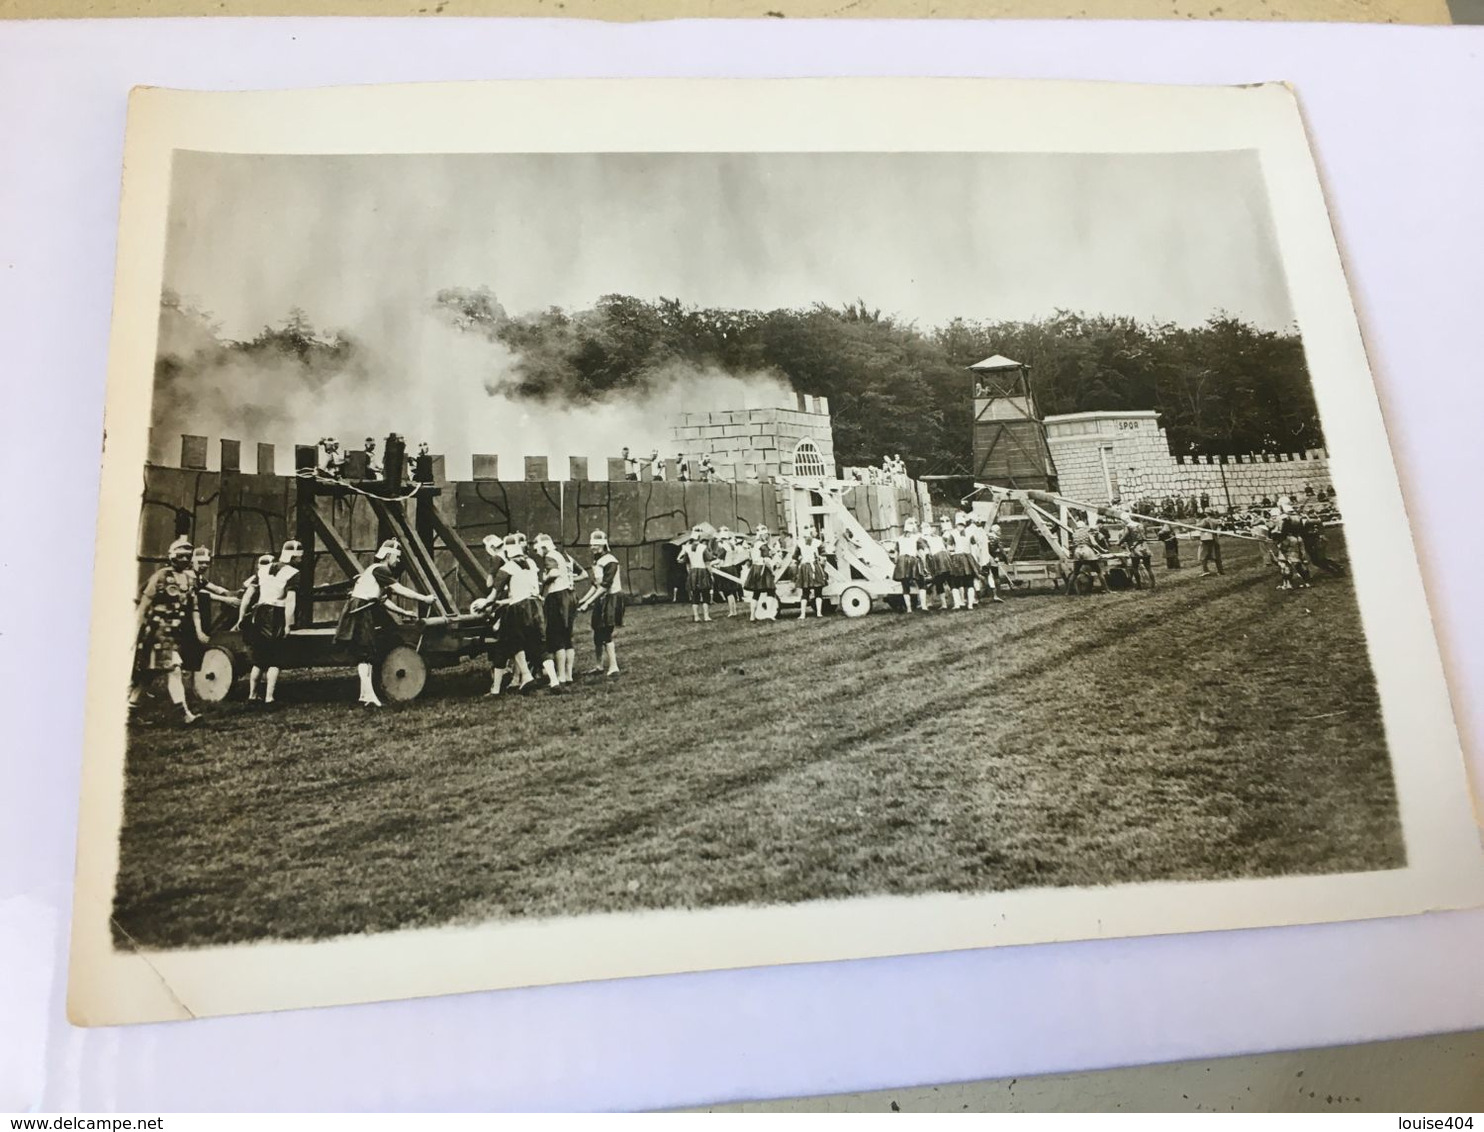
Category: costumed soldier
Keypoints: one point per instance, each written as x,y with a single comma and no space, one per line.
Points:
496,646
999,558
1171,542
963,570
168,636
937,564
733,556
267,615
517,591
1210,545
607,601
366,625
696,557
762,576
1311,531
910,569
1085,556
812,576
1136,542
559,573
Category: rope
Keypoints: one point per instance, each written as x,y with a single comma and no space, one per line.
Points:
318,475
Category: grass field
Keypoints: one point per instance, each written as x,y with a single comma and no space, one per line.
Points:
1214,728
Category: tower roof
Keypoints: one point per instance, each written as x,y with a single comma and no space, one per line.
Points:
996,361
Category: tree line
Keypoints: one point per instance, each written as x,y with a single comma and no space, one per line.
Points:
1224,387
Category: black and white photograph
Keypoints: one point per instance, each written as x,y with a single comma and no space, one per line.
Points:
669,535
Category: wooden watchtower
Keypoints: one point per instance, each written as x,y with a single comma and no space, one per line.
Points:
1010,448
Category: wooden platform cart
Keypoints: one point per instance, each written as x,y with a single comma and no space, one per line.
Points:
404,511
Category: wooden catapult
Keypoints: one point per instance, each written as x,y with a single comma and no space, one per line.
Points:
404,510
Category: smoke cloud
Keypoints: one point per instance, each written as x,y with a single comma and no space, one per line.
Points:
411,372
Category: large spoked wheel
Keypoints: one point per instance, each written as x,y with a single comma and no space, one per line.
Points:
402,674
855,602
214,679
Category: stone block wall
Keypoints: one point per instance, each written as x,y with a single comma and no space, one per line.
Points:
1102,455
747,444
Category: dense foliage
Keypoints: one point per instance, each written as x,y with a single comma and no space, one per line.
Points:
894,387
1224,387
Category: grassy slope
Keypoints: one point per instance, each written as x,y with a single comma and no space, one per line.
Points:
1215,728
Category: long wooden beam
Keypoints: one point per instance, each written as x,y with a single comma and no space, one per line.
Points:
462,555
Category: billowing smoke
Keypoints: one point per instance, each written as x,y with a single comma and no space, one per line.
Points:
415,373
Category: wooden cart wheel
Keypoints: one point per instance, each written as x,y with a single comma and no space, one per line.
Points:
402,674
213,680
855,602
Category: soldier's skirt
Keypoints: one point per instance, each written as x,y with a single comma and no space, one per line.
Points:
726,587
264,634
368,629
909,568
962,568
938,564
608,616
813,576
698,584
760,580
561,615
523,628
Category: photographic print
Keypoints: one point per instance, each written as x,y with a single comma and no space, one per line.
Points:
738,550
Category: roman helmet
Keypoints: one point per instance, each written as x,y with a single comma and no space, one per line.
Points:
265,561
909,525
181,551
723,534
515,543
389,549
697,532
292,552
201,558
597,540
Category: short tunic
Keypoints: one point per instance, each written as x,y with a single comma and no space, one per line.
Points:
910,566
962,565
608,610
812,574
167,638
762,575
267,627
697,558
366,625
938,565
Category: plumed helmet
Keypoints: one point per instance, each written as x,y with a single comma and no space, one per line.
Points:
181,548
